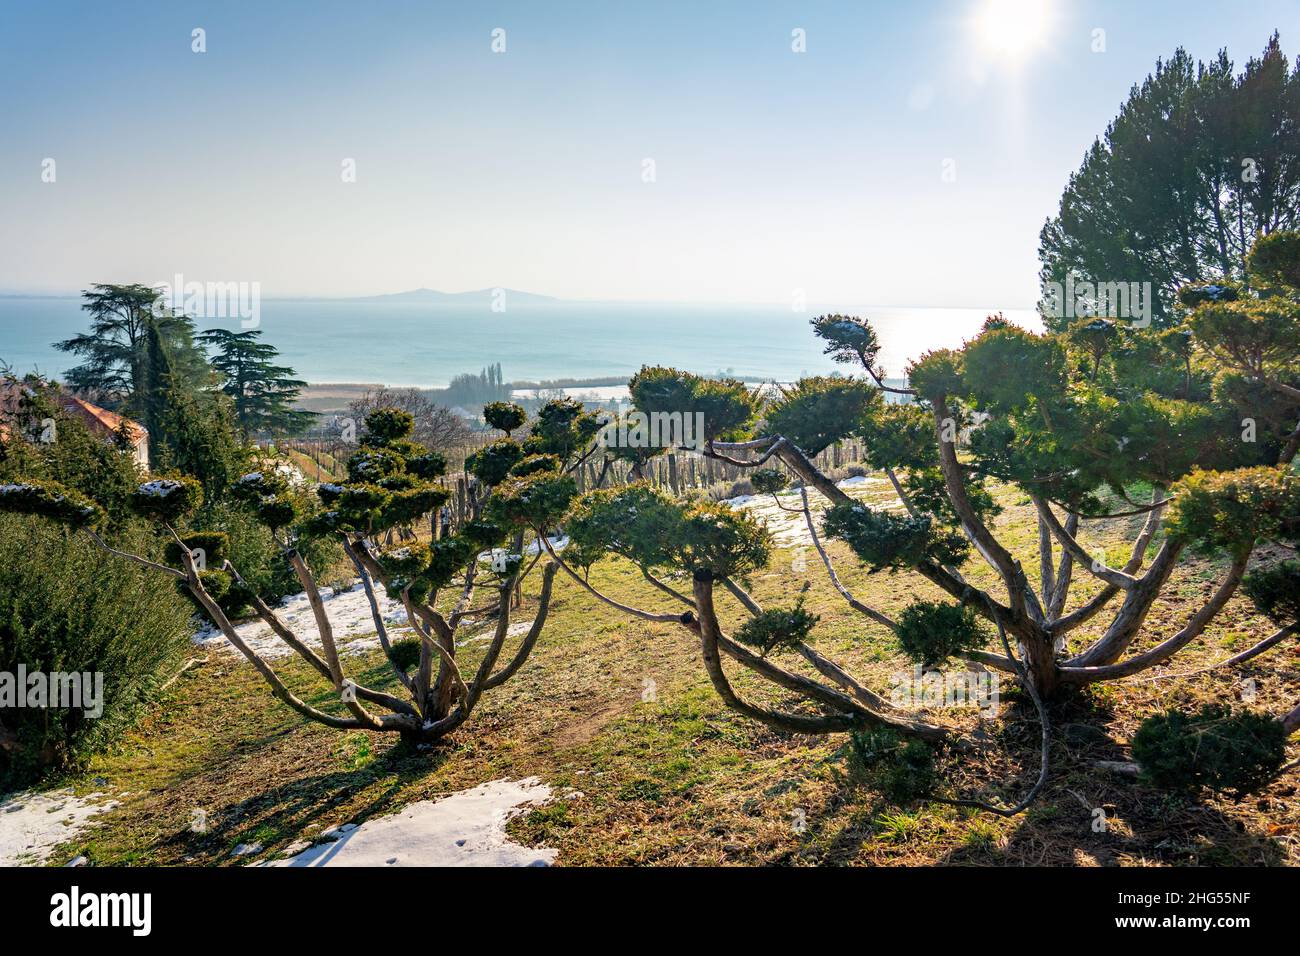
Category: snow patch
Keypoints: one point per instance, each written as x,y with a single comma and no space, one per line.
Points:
786,522
465,829
518,629
160,487
557,544
33,824
348,612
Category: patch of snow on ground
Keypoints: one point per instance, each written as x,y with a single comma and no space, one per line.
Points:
465,829
518,629
557,544
349,614
788,527
32,824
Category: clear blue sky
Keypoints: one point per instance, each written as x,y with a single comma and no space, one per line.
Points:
775,170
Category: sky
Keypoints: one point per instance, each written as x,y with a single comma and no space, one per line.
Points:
908,155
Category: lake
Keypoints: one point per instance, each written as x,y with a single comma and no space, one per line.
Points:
419,343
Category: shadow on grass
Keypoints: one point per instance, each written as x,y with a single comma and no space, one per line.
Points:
303,808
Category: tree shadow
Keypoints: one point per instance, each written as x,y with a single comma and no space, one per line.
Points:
1085,816
289,811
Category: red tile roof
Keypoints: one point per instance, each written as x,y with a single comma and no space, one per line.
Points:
100,421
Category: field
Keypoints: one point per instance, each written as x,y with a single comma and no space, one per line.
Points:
648,767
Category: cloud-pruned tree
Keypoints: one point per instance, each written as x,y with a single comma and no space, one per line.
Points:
1074,425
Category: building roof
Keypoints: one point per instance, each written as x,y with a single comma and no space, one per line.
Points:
100,421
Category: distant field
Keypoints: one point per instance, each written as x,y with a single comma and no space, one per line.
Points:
329,398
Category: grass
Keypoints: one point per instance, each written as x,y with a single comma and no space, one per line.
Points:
649,768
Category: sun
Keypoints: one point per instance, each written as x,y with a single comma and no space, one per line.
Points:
1013,30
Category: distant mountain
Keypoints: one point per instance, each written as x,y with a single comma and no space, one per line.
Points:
478,295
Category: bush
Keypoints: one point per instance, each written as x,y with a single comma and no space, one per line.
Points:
884,540
1230,511
816,412
50,500
406,653
492,463
932,632
64,607
535,463
506,416
1215,748
388,424
768,480
535,501
167,499
777,627
1275,590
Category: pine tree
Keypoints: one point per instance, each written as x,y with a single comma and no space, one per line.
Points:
1198,163
263,393
118,368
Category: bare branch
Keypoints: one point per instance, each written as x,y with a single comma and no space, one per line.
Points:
850,714
626,609
1096,568
530,639
381,629
1166,649
666,588
853,602
135,558
1267,643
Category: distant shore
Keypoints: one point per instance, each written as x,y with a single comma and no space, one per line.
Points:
331,397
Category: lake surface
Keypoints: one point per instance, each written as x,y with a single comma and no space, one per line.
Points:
425,344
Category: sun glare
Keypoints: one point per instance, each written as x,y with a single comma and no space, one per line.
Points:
1013,30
